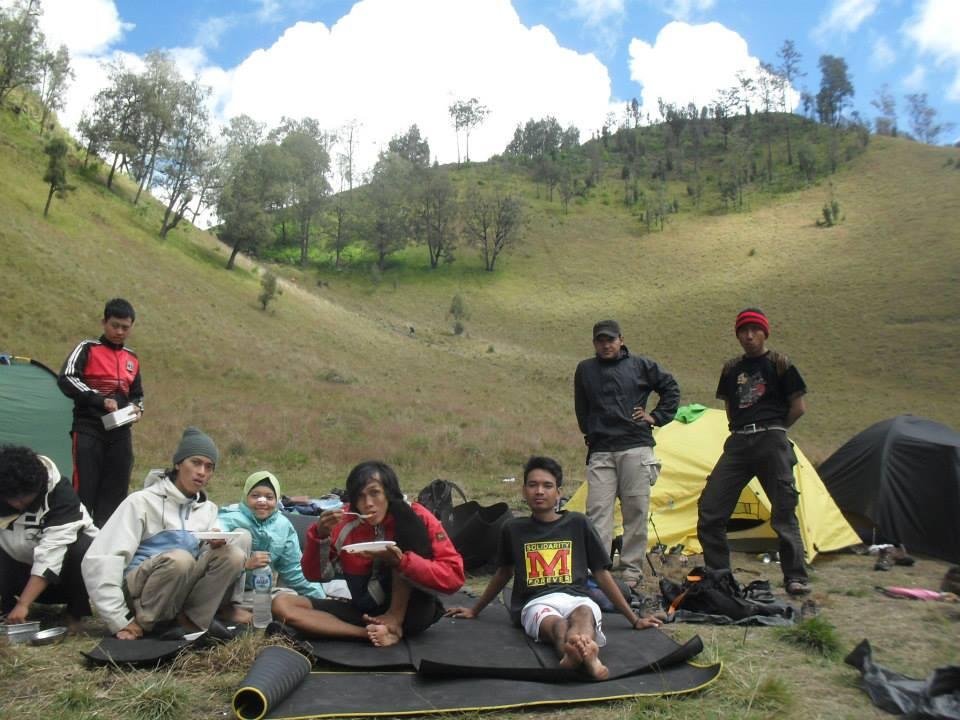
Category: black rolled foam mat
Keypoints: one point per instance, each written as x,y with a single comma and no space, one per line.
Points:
466,665
355,694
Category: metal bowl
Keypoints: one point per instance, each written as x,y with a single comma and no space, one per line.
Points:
48,636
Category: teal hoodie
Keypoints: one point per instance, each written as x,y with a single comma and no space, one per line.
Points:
276,535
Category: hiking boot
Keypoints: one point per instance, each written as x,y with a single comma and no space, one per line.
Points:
884,562
900,557
797,587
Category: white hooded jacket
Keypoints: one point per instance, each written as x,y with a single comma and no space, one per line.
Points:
40,535
151,521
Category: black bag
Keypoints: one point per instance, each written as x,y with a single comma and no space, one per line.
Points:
711,592
437,497
474,530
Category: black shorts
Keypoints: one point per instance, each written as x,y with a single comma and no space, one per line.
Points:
422,612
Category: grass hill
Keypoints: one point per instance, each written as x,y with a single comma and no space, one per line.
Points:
331,374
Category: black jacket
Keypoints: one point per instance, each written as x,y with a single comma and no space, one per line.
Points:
607,391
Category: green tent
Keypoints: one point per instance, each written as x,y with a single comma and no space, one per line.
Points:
33,411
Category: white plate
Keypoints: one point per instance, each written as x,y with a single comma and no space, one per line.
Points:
369,546
216,535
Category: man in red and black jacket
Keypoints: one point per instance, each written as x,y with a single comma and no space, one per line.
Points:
102,376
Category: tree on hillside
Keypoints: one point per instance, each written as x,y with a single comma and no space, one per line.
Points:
836,89
458,311
94,133
161,91
724,112
305,144
886,124
770,87
676,119
493,221
180,161
21,45
268,289
923,119
466,116
56,173
243,204
412,147
435,215
116,116
387,221
55,76
789,70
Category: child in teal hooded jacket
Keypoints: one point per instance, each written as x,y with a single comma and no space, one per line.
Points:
274,537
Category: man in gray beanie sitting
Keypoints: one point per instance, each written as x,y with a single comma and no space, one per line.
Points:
147,573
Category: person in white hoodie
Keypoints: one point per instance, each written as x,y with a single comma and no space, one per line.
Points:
44,532
146,572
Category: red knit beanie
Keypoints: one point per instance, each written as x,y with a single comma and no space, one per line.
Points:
753,316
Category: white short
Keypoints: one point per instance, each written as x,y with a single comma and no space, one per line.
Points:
559,604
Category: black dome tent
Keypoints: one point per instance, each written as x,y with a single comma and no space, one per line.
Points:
902,477
33,411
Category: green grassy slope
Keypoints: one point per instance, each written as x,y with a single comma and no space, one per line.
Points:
331,375
868,309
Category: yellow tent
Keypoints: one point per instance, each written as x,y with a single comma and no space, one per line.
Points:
688,453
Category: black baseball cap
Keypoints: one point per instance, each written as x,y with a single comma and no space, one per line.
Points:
611,328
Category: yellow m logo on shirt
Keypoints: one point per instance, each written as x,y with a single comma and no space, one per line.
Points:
548,562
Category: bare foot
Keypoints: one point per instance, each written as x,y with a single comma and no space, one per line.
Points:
572,653
395,624
591,660
383,635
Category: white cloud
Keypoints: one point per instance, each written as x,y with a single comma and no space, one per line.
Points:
597,12
685,9
845,16
86,27
690,63
210,31
916,80
934,30
882,55
391,64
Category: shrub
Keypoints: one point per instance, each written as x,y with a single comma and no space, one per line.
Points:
268,292
816,634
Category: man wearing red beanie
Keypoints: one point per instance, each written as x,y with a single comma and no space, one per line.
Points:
763,393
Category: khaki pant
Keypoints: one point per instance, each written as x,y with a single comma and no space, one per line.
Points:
627,475
167,584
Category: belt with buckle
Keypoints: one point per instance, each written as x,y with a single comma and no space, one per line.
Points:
753,428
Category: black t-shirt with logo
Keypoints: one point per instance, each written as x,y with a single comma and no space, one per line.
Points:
549,556
757,392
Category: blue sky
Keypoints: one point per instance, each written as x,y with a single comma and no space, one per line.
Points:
384,64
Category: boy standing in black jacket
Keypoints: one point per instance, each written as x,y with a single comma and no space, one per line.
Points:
763,393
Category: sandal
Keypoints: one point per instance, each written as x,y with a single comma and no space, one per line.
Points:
797,587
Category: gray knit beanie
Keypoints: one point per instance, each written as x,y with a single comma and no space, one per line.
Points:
195,442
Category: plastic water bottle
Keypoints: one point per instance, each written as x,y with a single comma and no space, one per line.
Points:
262,582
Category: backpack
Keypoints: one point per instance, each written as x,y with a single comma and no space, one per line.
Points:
716,592
475,529
437,497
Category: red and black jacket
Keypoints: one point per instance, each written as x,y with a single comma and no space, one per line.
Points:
443,573
94,371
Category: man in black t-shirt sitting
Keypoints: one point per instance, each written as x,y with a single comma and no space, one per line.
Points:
763,393
549,555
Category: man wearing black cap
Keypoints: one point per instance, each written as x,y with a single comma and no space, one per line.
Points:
763,393
611,391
